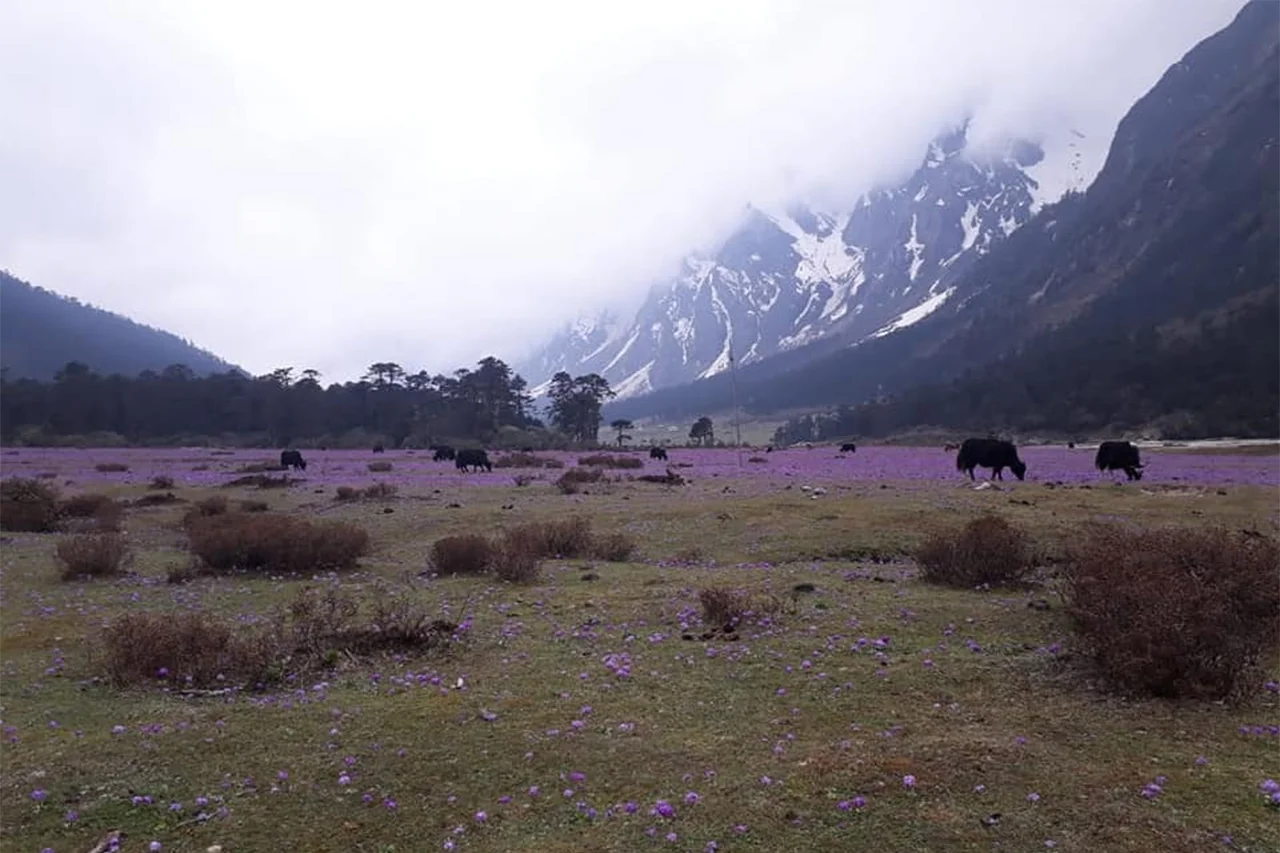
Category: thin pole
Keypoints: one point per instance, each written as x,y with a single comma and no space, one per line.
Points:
737,420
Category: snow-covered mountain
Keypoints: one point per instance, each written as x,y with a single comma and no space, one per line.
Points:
786,278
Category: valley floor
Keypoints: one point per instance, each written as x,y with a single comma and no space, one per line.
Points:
586,713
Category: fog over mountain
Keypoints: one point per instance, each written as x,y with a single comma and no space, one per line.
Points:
291,185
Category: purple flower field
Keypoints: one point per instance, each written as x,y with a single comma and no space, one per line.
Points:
821,465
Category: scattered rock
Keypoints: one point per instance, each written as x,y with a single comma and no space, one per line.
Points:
590,576
454,505
386,510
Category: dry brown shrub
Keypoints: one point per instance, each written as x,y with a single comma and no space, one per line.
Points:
319,622
92,555
723,607
571,481
261,481
275,543
515,560
612,547
103,513
526,460
1175,612
611,460
380,467
259,468
988,550
187,648
159,500
671,478
566,538
28,506
380,491
468,554
111,467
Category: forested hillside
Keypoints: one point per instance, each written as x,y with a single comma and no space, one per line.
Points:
41,331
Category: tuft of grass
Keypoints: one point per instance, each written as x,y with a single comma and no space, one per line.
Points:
1177,612
95,555
466,554
273,543
28,505
611,460
987,551
612,547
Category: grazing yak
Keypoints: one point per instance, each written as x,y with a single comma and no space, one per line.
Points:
848,447
657,453
378,448
292,459
990,453
443,452
1119,456
471,458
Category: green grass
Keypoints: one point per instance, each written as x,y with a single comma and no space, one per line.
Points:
708,716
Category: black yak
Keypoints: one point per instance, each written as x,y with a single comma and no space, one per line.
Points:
292,459
849,447
657,453
1119,456
990,453
443,453
471,458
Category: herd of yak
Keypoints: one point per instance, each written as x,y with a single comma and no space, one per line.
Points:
992,453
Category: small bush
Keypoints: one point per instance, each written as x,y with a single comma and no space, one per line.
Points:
111,467
468,554
1179,612
188,648
988,550
571,481
92,555
161,483
254,506
103,513
526,460
275,543
319,622
380,491
259,468
206,508
610,460
380,467
28,506
612,547
723,607
514,561
568,538
261,481
671,478
159,500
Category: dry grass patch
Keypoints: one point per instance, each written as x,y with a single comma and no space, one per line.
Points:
572,481
194,649
526,460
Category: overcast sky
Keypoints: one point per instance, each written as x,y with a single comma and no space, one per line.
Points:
327,185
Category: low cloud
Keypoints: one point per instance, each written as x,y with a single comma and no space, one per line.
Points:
327,186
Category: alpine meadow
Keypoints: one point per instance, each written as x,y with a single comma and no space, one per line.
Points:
869,438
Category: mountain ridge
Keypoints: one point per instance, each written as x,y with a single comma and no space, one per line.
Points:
41,331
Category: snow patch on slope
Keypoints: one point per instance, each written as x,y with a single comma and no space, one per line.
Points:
914,246
915,315
635,384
